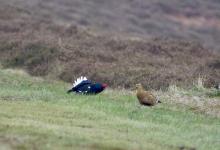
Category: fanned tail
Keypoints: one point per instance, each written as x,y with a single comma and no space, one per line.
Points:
76,82
79,80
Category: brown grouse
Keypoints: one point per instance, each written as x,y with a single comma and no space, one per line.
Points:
145,98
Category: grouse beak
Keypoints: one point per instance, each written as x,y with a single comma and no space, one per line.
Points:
138,85
135,87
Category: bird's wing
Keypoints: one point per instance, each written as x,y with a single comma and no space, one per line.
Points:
83,89
150,95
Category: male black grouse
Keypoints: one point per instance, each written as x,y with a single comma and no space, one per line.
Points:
84,86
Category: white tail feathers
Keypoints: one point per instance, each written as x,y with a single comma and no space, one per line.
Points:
79,80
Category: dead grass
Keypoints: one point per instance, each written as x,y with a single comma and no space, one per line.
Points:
197,99
193,20
68,51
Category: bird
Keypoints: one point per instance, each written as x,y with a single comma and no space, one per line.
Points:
84,86
144,97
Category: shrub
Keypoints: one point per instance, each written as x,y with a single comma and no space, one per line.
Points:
37,58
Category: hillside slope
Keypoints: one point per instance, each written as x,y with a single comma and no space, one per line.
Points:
38,114
193,20
68,51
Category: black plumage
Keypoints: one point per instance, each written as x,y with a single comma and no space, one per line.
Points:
84,86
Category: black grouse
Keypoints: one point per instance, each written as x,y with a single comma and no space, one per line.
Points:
84,86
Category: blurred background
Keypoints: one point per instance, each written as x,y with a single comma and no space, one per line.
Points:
121,42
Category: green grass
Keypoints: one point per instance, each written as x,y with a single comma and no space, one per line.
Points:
38,114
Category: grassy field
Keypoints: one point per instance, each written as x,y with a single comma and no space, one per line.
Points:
37,114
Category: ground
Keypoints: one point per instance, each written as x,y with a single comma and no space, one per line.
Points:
170,46
37,113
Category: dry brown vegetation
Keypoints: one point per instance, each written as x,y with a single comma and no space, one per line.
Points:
198,99
68,51
197,19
